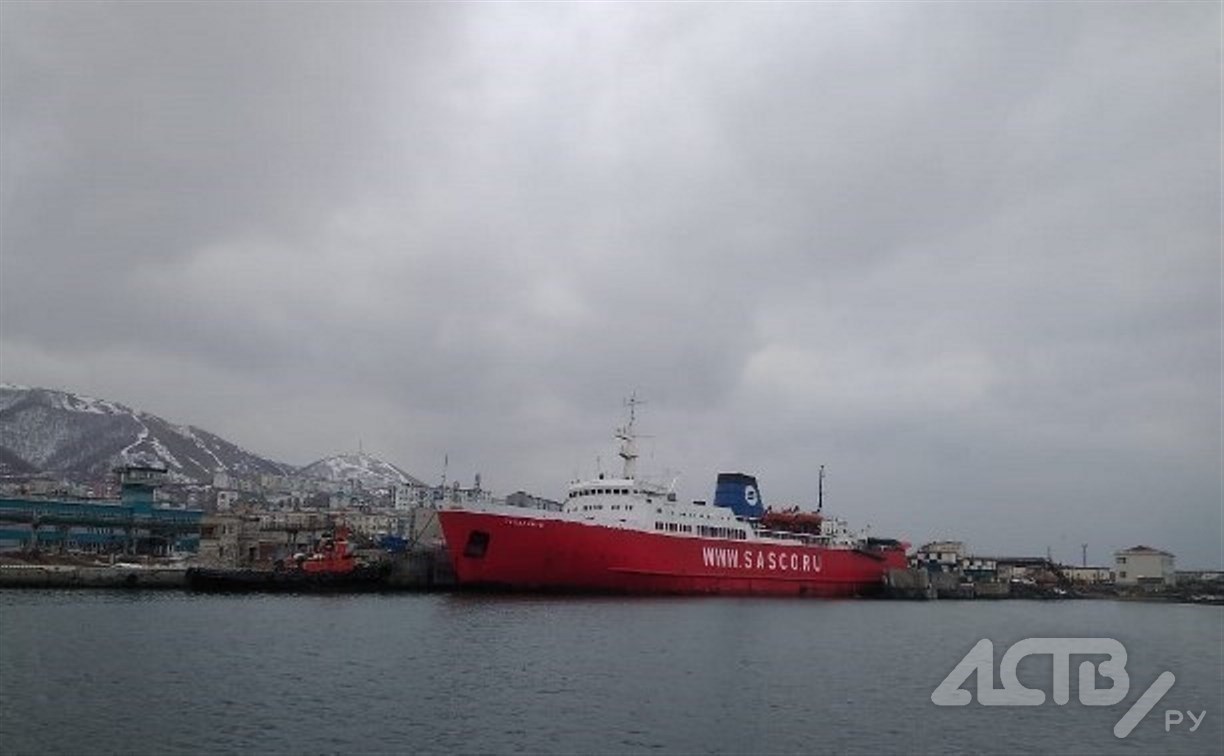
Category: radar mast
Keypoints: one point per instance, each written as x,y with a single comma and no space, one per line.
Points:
628,439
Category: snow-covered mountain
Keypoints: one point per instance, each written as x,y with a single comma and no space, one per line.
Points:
82,438
371,472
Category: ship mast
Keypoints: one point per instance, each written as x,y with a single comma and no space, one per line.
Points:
628,449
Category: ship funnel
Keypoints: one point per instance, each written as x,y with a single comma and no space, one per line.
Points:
739,493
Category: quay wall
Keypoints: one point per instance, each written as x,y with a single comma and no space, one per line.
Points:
422,569
919,584
418,570
61,576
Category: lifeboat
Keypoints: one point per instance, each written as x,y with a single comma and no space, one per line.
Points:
792,520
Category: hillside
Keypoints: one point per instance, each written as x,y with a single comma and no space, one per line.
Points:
82,438
372,473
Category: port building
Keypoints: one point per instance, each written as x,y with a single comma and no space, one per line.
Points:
1145,566
135,524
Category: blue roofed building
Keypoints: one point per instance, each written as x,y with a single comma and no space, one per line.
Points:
135,524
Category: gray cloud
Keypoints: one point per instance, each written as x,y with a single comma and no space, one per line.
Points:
969,256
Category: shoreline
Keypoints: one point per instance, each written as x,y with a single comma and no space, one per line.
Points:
416,575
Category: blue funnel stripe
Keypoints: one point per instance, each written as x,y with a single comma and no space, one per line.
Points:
739,493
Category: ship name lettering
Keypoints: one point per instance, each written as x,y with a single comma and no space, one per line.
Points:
775,561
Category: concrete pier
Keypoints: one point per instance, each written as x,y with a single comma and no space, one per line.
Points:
62,576
423,570
919,584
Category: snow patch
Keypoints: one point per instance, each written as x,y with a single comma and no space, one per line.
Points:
160,449
369,471
200,443
127,453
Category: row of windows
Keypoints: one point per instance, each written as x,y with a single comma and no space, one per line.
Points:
673,527
711,532
602,491
617,507
702,530
698,516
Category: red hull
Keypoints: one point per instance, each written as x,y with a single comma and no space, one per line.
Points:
530,554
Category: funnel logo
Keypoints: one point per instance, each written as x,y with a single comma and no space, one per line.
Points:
750,495
980,659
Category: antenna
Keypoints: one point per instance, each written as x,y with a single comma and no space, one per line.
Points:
1084,556
820,490
445,464
628,450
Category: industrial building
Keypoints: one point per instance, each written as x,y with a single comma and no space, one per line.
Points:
1144,566
135,524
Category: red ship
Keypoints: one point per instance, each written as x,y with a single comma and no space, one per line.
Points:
624,535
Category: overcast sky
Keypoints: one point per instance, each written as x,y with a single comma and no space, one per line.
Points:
968,256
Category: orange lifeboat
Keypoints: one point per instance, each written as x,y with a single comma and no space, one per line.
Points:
792,520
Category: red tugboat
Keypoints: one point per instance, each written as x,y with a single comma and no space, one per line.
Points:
330,568
332,556
624,535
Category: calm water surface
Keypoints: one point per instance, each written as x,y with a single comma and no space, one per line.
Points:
165,672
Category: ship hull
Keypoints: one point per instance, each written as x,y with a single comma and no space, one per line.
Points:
503,551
